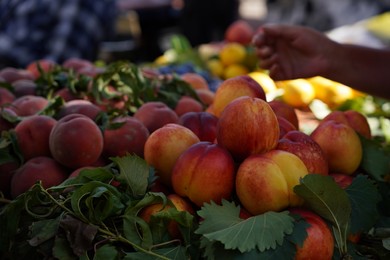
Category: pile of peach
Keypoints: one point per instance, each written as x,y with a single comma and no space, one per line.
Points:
234,143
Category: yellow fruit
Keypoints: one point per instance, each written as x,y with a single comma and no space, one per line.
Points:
264,80
232,53
234,70
297,92
216,67
331,92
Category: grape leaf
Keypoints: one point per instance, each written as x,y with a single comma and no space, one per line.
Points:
330,201
361,192
135,172
376,160
222,223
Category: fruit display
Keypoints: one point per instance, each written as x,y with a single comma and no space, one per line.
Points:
126,161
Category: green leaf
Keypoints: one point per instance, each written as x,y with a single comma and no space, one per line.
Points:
62,249
362,191
327,199
134,171
44,230
95,201
222,223
376,160
106,252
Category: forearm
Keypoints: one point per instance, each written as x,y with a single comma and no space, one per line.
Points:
362,68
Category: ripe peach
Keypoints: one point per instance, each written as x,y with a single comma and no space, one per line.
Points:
10,74
239,31
76,141
284,126
67,94
261,185
353,118
342,180
164,146
23,87
293,169
195,80
285,110
233,88
32,134
29,105
309,151
129,138
319,243
79,106
155,115
247,126
203,124
341,145
188,104
40,168
6,96
204,172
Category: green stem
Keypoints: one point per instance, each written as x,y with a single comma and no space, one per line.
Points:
5,201
56,202
124,240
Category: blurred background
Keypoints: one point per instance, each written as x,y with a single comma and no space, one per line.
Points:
139,30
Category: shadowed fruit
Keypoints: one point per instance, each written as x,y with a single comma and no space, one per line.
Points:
239,31
32,134
76,141
79,106
130,137
285,110
29,105
42,168
203,124
188,104
155,115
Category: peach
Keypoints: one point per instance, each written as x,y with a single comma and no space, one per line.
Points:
181,204
342,180
155,114
79,106
6,96
195,80
203,124
45,64
354,119
32,134
293,169
76,64
285,126
341,145
23,87
309,151
204,172
29,105
164,146
233,88
67,94
206,96
188,104
285,110
129,138
261,186
76,141
10,74
319,243
247,126
41,168
239,31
